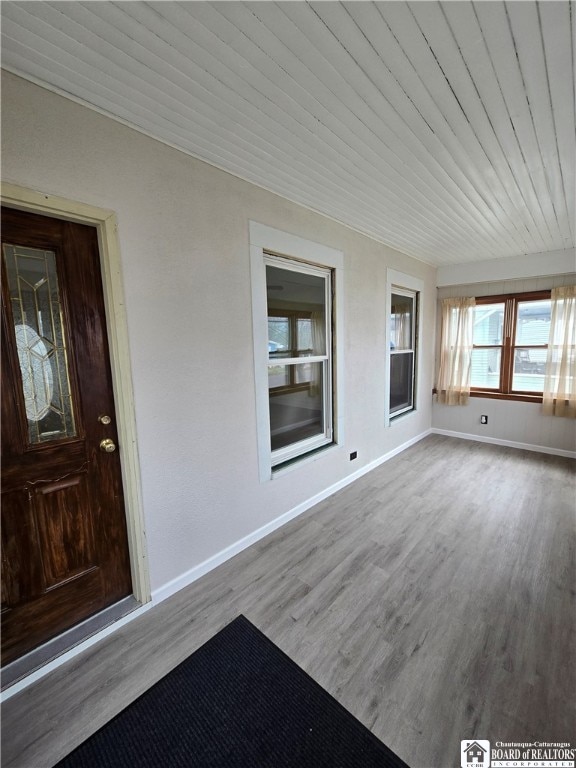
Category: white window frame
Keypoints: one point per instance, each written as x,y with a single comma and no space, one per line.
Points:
269,245
292,451
403,284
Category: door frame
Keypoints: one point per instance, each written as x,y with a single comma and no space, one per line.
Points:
21,198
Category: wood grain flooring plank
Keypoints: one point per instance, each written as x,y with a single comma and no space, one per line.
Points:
435,598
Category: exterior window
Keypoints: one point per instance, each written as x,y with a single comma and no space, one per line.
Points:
403,324
299,309
510,345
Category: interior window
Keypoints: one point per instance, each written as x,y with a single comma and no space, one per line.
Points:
299,357
402,350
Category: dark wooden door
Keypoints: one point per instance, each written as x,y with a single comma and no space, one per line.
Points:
64,541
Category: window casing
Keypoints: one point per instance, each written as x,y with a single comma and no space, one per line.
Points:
403,336
299,316
284,248
510,345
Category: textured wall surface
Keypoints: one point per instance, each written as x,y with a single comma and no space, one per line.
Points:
183,230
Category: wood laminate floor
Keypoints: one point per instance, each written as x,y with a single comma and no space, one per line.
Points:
434,598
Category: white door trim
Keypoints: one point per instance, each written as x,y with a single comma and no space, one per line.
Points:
105,221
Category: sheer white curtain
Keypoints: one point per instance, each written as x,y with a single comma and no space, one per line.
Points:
318,348
403,327
559,396
456,343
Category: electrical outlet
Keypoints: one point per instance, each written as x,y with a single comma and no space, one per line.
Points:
483,419
353,455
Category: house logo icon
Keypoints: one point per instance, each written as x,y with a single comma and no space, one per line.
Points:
475,754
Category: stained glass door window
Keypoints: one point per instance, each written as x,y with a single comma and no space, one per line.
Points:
41,342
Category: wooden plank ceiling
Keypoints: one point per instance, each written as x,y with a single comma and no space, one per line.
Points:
445,130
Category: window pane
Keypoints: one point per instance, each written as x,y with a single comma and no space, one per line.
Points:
303,297
278,376
529,365
485,368
41,343
533,322
305,335
278,336
296,413
284,375
488,324
401,389
303,374
401,322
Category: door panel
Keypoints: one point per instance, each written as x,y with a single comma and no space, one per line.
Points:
64,542
65,534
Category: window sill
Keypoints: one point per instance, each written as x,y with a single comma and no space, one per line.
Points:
306,458
396,417
522,398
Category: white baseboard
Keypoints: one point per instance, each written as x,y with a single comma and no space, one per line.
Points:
213,562
508,443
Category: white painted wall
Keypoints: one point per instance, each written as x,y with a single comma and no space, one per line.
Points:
183,229
508,421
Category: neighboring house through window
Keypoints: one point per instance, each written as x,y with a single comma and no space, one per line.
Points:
510,345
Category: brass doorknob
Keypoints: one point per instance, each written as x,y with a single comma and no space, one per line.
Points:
107,445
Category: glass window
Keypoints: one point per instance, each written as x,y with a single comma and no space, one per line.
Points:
402,350
298,300
487,352
510,344
401,390
531,345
